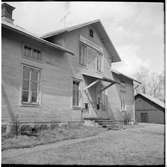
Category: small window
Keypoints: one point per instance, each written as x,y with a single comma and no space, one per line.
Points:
30,85
32,53
83,54
27,51
75,93
36,54
91,33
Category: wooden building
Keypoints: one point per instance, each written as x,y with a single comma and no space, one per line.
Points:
62,76
149,109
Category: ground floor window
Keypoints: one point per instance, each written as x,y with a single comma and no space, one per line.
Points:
30,85
75,93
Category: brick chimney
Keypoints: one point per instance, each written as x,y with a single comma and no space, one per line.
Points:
7,11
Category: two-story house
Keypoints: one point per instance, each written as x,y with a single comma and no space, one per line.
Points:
94,87
62,76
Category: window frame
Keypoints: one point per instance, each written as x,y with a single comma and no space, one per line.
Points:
30,87
33,50
85,56
99,55
123,101
91,33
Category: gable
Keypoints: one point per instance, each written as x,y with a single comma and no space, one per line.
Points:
142,103
99,29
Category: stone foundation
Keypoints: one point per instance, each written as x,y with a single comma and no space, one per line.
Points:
32,128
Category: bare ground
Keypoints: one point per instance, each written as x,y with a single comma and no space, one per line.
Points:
142,144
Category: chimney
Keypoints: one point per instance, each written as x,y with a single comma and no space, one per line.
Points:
7,11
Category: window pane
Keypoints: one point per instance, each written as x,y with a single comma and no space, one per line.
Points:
34,75
34,97
26,73
25,96
83,54
25,85
36,54
27,51
34,86
75,93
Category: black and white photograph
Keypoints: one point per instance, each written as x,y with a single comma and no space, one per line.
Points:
83,83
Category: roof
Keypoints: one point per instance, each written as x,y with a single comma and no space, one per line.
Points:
24,32
121,74
101,31
152,99
7,5
103,78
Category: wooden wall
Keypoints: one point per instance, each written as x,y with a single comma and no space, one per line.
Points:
55,82
71,41
155,114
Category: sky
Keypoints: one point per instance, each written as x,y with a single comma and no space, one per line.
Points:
135,28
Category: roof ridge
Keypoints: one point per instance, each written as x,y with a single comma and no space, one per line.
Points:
153,99
61,30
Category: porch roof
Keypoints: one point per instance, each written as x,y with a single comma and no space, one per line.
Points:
103,78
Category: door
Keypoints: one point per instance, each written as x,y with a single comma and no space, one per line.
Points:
144,117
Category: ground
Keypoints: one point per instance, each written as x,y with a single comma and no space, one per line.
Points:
142,144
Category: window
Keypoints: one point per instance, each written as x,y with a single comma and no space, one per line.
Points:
75,93
83,54
144,117
98,103
99,61
36,54
30,85
86,106
32,53
123,103
91,33
27,51
123,108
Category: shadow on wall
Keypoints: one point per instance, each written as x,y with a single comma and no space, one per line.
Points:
109,109
11,128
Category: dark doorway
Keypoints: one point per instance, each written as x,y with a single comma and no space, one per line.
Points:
144,117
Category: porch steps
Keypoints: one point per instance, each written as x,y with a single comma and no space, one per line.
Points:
107,123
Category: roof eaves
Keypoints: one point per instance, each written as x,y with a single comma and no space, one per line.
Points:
118,73
117,59
152,99
68,29
22,31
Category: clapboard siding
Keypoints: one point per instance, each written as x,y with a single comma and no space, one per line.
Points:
155,113
55,81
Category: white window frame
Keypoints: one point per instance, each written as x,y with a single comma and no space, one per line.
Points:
99,54
33,50
29,89
84,63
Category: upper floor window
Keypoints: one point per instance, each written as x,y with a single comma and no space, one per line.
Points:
91,33
32,53
30,85
75,93
83,54
99,62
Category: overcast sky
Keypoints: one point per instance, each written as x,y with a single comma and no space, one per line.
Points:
136,29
